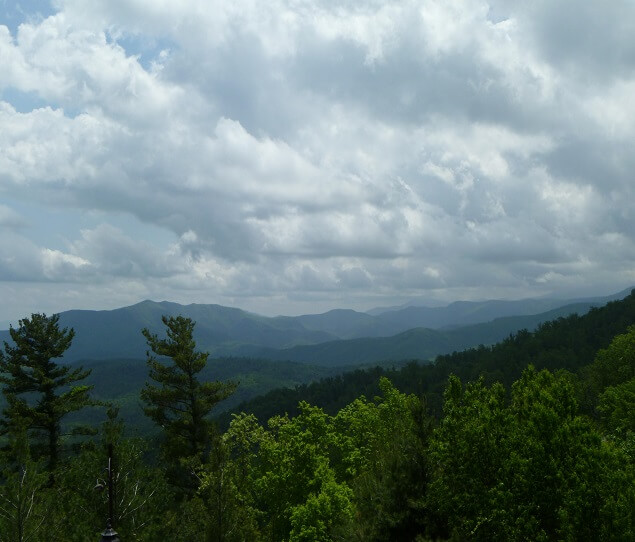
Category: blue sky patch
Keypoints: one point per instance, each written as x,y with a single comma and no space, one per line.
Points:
13,14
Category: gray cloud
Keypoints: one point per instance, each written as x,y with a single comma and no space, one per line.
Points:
10,219
304,155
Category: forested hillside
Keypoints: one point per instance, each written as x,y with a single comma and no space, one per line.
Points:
259,369
226,331
494,443
417,343
565,343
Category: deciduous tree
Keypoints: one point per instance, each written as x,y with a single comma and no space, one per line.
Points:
531,470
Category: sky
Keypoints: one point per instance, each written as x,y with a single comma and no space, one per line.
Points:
293,156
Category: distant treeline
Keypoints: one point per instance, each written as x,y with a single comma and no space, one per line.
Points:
565,343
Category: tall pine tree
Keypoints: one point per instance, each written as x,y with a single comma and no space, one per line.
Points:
179,402
39,392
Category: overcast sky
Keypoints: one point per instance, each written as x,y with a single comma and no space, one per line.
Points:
294,156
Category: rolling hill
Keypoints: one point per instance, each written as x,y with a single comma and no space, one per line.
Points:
417,343
111,345
226,331
569,343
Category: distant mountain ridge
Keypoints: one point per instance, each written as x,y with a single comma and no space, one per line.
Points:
568,343
417,343
316,338
111,345
461,313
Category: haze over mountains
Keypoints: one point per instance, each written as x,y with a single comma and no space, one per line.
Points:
337,337
263,353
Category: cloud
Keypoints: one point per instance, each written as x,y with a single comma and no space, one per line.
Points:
23,261
297,150
57,264
589,41
10,219
114,253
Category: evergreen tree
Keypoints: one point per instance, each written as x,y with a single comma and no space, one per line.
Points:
180,404
39,392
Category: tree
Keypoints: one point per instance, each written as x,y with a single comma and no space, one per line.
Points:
38,391
180,404
617,407
384,456
23,495
141,494
467,452
294,486
226,485
612,366
533,469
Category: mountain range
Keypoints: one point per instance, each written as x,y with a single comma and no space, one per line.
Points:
264,353
337,337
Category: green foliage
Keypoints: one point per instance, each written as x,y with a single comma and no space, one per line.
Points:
533,470
292,463
618,491
359,475
331,393
467,453
324,514
181,404
608,386
612,366
508,461
616,363
283,478
617,407
565,343
23,504
141,493
223,489
38,391
24,498
383,444
184,521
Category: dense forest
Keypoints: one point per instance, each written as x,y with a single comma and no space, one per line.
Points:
529,439
565,343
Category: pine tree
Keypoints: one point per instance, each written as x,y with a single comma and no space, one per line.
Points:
180,404
39,392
